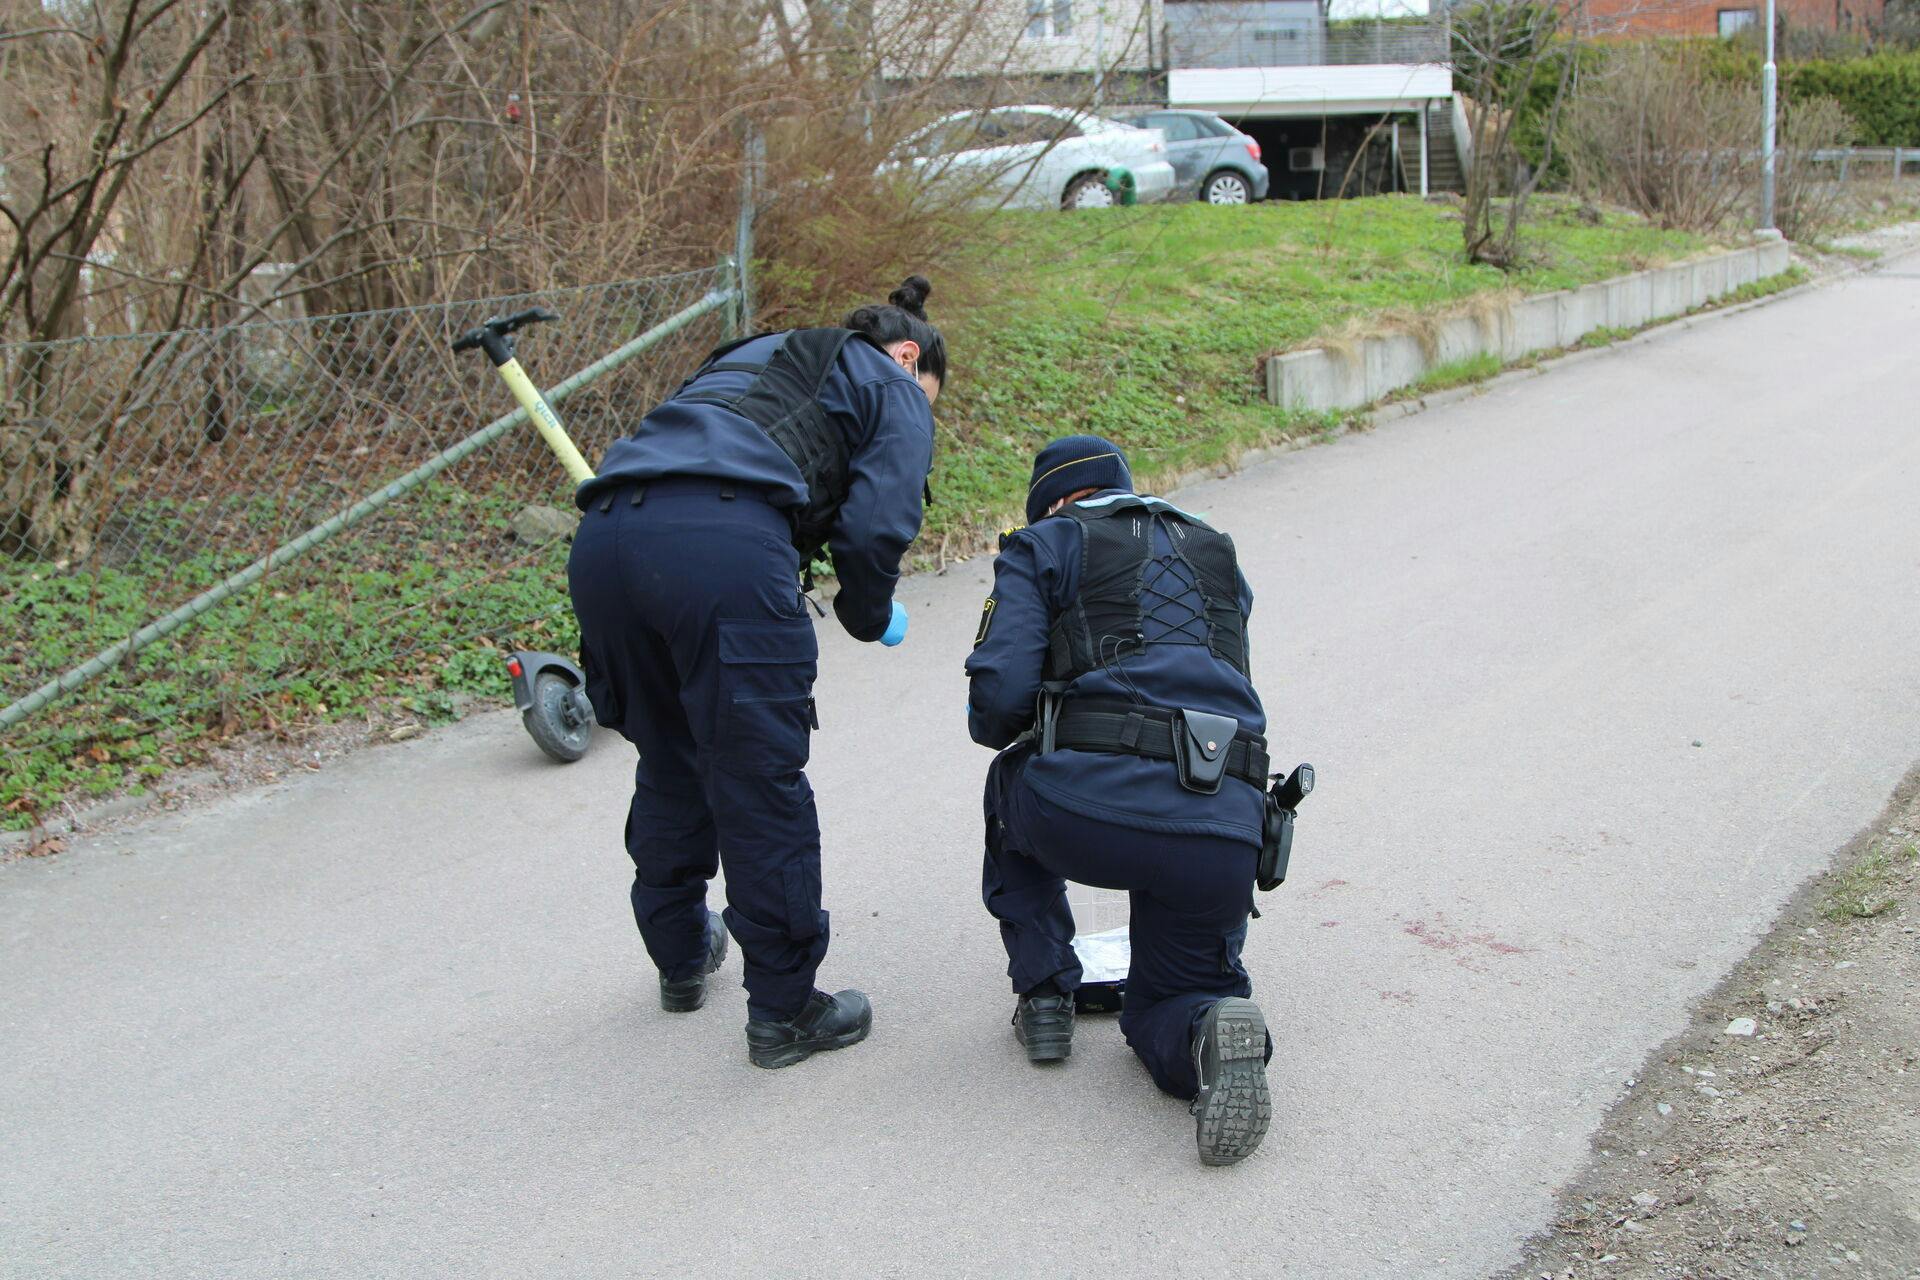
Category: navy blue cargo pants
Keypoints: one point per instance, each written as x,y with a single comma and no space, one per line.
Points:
698,649
1189,896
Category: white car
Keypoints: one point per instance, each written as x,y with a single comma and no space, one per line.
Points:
1038,157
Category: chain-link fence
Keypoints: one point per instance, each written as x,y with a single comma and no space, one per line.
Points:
141,471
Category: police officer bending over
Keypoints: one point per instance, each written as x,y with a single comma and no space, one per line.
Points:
1112,655
685,575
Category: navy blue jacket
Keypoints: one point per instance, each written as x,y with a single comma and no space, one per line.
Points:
889,429
1034,580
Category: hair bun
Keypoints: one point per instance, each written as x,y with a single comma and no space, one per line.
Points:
911,296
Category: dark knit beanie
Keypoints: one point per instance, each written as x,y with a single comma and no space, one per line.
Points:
1071,464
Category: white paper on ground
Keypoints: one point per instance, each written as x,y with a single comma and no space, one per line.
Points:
1104,957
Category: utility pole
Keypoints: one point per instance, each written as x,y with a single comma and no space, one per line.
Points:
1768,81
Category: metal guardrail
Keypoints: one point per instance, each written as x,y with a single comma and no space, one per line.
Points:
1903,162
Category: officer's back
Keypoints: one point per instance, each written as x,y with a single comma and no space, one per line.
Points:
882,416
1174,668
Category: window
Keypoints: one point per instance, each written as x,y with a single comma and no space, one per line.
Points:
1022,127
1049,19
1276,36
977,131
968,133
1734,21
1177,128
1305,160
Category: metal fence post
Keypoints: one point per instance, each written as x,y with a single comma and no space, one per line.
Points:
743,233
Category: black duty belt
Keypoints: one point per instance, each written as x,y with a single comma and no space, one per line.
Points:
1135,730
635,492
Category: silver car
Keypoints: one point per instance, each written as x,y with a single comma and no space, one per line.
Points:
1038,157
1212,160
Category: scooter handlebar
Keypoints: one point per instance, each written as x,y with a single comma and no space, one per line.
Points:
500,326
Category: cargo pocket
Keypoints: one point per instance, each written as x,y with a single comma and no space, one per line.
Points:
766,672
805,919
607,711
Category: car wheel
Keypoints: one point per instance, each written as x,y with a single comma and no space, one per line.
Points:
1226,187
1088,191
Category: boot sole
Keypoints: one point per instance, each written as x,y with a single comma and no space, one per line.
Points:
773,1057
1048,1046
1236,1113
689,994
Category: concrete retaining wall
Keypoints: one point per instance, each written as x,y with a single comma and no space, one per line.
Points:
1323,379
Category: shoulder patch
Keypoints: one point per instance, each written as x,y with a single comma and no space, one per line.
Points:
1006,534
986,622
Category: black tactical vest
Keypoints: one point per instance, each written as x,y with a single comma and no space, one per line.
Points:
1119,586
783,401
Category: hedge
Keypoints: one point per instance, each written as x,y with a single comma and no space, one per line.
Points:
1880,92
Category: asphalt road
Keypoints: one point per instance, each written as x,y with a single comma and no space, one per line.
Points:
1595,668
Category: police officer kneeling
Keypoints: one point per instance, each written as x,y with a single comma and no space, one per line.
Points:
685,575
1112,655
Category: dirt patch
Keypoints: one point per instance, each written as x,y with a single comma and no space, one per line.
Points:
1779,1136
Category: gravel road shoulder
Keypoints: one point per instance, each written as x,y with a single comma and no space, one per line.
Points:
1779,1135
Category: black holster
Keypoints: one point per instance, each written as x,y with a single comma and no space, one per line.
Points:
1271,871
1277,839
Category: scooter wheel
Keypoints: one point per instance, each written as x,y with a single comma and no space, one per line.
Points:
560,719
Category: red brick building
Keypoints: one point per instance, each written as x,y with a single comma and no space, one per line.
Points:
1727,17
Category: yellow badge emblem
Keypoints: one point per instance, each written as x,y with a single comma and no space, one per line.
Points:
986,621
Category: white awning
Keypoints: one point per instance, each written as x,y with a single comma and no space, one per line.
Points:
1270,92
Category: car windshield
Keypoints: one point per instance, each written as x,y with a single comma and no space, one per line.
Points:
1034,126
949,137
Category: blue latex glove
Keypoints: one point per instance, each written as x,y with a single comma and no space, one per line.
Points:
896,628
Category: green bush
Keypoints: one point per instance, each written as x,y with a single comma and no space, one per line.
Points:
1880,93
1536,108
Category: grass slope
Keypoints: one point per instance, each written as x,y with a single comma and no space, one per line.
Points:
1149,325
1146,325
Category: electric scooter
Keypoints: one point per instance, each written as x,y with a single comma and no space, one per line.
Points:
549,691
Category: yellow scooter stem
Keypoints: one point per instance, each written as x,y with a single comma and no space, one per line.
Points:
545,420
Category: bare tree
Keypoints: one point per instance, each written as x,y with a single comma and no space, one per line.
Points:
377,153
1517,61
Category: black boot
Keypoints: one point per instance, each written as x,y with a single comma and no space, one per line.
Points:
828,1022
687,994
1043,1022
1232,1109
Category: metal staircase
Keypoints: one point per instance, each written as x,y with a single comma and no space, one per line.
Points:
1443,153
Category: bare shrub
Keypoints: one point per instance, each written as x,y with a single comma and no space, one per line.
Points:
177,165
1656,131
1811,199
1653,132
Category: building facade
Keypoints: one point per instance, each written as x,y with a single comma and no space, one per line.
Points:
1347,108
1339,108
1727,17
1030,39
